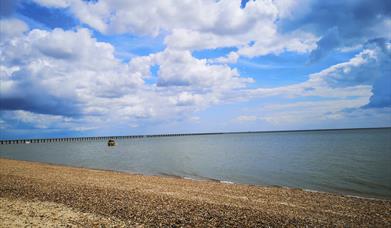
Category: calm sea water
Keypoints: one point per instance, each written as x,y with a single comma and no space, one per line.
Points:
355,162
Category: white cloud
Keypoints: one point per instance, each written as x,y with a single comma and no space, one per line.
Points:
11,27
232,57
151,17
54,3
186,99
245,118
296,41
353,78
193,119
353,72
345,88
290,8
312,88
69,74
180,68
195,25
40,121
309,111
60,72
347,112
187,39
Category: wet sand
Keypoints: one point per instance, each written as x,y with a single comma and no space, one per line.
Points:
39,194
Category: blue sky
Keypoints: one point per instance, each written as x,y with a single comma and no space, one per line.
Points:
87,68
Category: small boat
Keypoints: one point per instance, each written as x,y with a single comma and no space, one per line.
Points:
111,142
27,142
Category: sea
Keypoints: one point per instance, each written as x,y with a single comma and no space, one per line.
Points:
354,162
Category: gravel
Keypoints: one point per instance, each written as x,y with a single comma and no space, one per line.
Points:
107,198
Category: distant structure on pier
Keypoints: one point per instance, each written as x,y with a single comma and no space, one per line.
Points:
111,142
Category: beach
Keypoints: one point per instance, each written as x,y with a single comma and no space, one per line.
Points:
41,194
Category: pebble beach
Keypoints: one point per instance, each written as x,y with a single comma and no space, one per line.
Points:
38,194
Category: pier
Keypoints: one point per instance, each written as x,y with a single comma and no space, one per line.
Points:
95,138
79,139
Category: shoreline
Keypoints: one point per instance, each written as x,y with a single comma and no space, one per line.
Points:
114,197
206,179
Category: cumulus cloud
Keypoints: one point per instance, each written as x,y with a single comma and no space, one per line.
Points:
186,99
11,27
180,68
195,25
381,93
297,41
59,72
381,90
328,42
269,26
366,75
359,70
369,67
70,77
186,39
341,23
71,74
34,120
151,17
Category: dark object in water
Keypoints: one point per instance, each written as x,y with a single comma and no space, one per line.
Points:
111,142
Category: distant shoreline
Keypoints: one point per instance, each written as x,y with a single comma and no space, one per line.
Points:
40,193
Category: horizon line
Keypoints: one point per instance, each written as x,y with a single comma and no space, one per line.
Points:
202,133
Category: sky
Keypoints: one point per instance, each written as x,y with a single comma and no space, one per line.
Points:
127,67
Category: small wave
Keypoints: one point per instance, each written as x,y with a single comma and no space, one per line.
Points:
169,175
226,182
311,190
343,194
201,179
189,178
